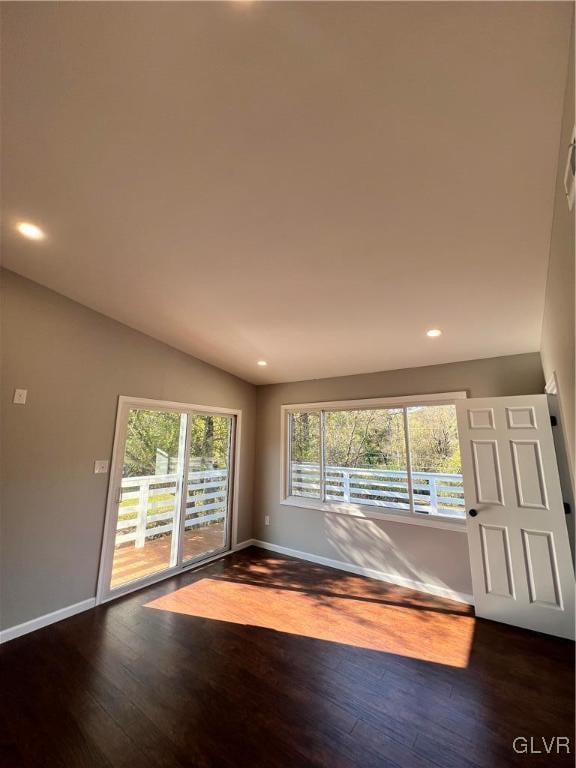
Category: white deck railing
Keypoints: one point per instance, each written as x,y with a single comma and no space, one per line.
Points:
148,504
435,493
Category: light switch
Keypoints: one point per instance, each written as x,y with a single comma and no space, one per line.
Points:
20,396
101,467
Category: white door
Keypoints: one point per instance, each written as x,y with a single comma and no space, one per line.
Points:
522,571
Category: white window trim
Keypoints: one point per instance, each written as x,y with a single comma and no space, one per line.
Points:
361,510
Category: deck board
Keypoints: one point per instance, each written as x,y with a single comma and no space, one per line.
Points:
132,563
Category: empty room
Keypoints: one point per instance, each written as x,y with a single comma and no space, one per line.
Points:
287,384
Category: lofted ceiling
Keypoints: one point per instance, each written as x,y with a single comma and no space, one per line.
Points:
312,184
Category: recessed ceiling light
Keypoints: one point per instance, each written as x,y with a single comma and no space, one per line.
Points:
31,231
433,333
262,363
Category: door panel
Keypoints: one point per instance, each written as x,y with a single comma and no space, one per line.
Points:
521,418
496,560
520,557
207,503
149,500
487,474
528,474
541,568
481,418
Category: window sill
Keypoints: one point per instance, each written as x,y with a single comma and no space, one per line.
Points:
372,513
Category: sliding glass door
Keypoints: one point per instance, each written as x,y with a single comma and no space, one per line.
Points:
170,492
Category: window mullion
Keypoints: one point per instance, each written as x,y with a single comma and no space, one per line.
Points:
180,517
408,461
288,463
322,459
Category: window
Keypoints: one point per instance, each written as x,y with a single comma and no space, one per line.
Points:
379,456
435,460
305,455
365,457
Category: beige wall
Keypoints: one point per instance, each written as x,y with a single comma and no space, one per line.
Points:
74,363
557,347
421,554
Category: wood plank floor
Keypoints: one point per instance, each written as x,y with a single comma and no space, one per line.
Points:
264,661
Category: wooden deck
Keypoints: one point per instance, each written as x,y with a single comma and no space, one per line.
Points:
131,563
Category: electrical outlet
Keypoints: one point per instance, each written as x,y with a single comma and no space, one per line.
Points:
101,467
20,396
267,520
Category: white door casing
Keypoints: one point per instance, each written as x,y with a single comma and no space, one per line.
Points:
522,570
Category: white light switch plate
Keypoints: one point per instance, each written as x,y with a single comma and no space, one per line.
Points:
20,396
101,467
267,520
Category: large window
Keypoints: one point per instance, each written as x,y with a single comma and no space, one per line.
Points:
401,458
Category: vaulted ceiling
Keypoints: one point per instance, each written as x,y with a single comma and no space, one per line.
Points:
313,184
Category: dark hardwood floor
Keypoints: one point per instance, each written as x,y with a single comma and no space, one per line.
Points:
263,661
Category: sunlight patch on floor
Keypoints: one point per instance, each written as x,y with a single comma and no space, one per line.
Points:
383,623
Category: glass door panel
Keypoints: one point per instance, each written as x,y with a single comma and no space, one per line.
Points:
150,495
207,501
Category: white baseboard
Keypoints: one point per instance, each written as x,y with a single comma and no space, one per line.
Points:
43,621
433,589
391,578
243,544
71,610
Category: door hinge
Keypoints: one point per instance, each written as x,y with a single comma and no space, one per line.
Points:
567,508
554,421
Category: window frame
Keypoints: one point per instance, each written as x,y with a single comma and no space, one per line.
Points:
349,508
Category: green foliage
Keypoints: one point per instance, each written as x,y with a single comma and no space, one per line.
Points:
209,442
150,432
153,442
372,438
434,445
305,445
375,438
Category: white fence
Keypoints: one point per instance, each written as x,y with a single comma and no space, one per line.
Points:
148,504
434,493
